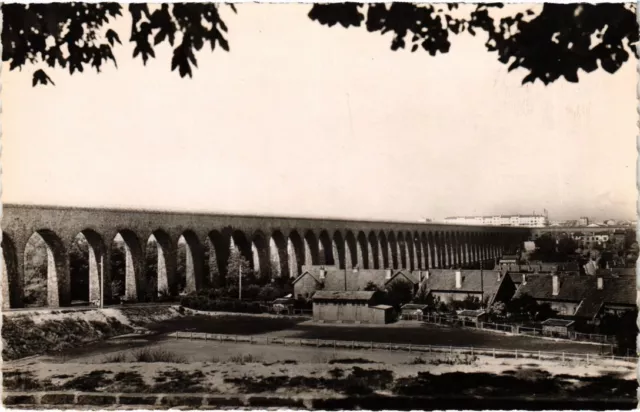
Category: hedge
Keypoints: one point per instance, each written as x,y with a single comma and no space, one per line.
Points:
220,305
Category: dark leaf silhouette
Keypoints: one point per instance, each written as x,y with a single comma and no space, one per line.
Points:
550,43
39,76
545,42
74,35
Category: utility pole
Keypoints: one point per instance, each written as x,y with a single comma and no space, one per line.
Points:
481,286
240,281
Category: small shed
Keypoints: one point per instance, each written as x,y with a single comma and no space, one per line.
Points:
382,314
476,316
413,311
282,305
557,327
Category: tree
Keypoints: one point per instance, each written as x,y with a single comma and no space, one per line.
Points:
549,41
399,293
371,287
497,310
237,262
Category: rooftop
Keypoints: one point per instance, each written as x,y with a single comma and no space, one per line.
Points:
557,322
583,289
445,280
359,295
471,313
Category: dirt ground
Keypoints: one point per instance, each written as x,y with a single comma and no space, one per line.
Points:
229,368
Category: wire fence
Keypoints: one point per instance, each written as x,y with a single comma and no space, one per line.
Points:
515,329
402,347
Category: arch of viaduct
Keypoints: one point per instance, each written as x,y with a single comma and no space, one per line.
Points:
284,244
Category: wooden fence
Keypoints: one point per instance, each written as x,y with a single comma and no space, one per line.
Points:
401,347
515,329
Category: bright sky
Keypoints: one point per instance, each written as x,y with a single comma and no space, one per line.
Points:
300,119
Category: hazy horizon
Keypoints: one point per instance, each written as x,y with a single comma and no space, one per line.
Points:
303,120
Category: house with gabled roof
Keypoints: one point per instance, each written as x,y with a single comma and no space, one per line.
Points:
331,278
583,298
488,286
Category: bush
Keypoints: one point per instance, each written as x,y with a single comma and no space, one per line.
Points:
199,302
120,357
151,355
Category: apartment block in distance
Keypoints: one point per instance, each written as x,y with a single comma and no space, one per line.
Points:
500,220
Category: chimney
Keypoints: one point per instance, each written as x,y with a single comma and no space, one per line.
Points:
524,279
458,279
388,274
600,283
556,284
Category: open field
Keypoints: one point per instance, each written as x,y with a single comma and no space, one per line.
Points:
153,363
84,332
403,332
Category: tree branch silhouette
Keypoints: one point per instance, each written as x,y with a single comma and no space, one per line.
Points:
556,41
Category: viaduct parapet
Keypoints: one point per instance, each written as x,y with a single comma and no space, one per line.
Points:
279,245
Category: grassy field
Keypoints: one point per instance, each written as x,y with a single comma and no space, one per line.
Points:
401,333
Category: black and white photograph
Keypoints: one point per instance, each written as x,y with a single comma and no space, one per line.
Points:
319,206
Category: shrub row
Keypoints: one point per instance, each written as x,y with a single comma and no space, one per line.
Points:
199,302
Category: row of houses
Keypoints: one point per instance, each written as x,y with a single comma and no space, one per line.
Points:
339,295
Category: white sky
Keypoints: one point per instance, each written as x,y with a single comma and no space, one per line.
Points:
300,119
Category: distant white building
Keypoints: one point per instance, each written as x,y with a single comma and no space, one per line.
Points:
500,220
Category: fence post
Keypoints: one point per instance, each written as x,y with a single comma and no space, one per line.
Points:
267,340
409,348
250,340
562,356
191,336
177,333
516,353
317,343
587,358
539,355
472,351
205,336
450,349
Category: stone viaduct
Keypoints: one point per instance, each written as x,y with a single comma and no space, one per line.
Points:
279,243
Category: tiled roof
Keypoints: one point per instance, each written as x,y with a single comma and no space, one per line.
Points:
347,279
414,306
306,273
574,288
412,276
445,280
468,312
557,322
360,295
616,271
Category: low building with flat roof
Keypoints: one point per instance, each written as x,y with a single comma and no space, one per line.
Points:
350,307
